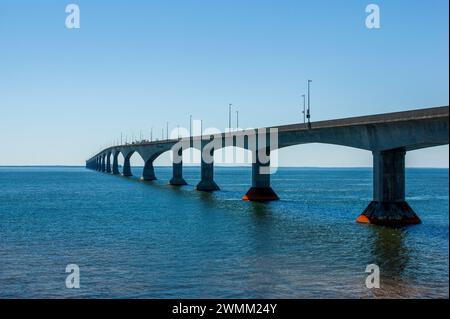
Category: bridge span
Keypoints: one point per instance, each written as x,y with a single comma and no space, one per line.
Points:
388,136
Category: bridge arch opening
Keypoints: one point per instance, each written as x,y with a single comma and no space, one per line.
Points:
120,161
136,160
164,167
136,164
315,155
233,156
377,178
163,160
288,173
431,157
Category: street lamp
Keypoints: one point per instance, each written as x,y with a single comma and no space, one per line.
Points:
229,116
308,114
304,108
167,130
237,120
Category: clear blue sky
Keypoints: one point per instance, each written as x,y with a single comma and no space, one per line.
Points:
137,64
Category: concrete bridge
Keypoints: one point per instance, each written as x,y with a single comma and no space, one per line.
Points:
388,136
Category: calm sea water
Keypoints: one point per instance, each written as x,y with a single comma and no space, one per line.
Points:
150,240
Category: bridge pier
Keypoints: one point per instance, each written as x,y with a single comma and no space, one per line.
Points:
149,172
115,166
98,164
103,169
177,174
260,190
108,163
207,183
127,166
389,207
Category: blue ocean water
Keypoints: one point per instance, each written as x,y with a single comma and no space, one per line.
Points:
134,239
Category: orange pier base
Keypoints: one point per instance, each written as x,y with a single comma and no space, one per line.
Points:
263,194
391,214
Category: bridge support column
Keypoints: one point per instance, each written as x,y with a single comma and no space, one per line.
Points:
115,165
149,172
389,207
97,164
207,183
103,169
177,175
127,166
108,163
260,190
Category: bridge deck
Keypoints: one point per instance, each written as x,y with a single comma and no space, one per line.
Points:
386,118
421,114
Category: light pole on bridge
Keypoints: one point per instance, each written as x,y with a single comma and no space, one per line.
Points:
229,116
304,108
308,114
167,130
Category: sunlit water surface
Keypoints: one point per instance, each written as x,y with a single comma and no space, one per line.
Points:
134,239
